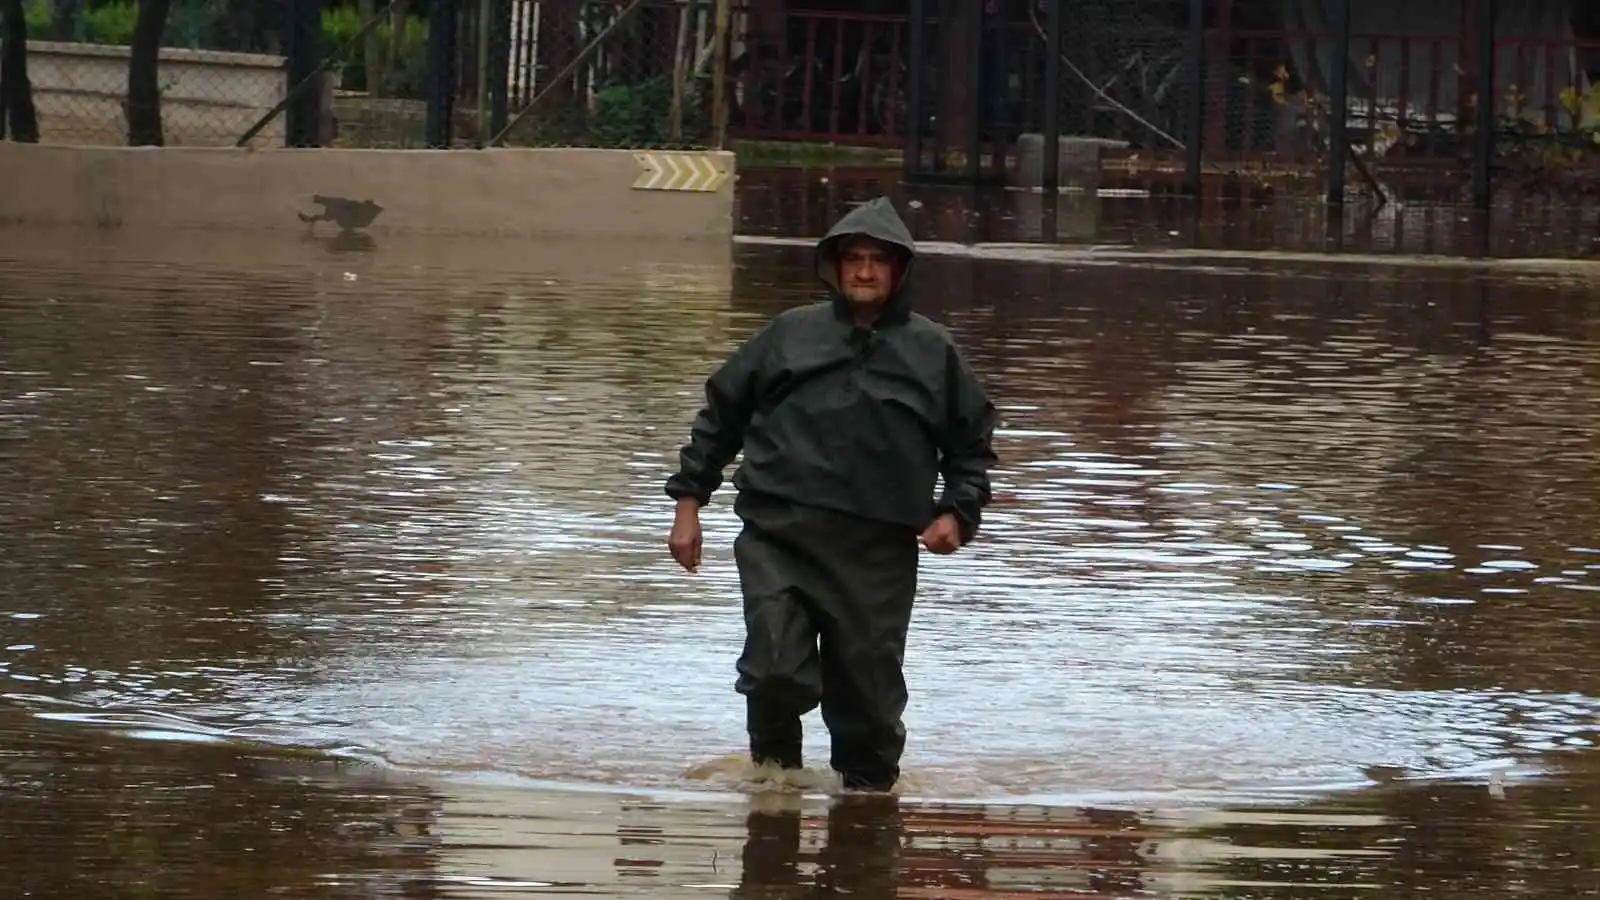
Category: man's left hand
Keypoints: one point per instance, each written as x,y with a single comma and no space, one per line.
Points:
943,536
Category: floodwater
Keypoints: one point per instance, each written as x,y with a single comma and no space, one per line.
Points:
339,570
1235,215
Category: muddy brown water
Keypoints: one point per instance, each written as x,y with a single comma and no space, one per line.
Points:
1239,214
337,569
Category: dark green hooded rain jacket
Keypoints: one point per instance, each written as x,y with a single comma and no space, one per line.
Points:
857,420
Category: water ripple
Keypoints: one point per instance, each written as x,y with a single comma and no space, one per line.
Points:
1246,536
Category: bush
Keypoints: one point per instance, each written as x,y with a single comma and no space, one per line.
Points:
639,115
37,16
103,23
622,116
631,115
112,23
341,23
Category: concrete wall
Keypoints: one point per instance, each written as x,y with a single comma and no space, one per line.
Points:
565,193
208,98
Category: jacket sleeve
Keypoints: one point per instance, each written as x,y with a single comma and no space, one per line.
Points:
717,433
968,451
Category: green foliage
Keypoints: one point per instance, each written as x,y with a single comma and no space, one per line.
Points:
631,115
640,115
37,15
112,22
622,116
341,23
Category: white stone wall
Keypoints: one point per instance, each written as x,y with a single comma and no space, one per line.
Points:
208,98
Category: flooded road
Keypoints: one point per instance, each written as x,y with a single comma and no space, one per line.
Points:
1238,214
335,573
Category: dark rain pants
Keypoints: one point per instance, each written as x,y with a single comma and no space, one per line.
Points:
827,602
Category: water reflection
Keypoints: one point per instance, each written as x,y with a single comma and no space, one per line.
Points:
1238,215
179,819
90,816
1260,533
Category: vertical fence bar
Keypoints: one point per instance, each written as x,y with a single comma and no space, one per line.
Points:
865,80
304,36
721,19
890,120
680,62
1405,94
441,73
1050,171
1196,98
836,92
1483,153
1216,89
191,25
780,105
481,62
997,96
974,99
912,157
466,53
809,83
1339,102
499,65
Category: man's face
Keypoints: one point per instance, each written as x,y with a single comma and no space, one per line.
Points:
866,271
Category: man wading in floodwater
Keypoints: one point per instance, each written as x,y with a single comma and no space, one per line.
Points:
846,410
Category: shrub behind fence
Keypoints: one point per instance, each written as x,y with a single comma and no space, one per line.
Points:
634,73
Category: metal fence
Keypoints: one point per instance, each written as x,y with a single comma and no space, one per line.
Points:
1335,92
1326,91
94,73
637,73
363,73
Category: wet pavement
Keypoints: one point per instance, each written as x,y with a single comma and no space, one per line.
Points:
339,570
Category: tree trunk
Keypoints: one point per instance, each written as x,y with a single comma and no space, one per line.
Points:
371,50
16,92
144,87
394,62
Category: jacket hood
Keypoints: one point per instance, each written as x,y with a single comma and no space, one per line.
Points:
876,219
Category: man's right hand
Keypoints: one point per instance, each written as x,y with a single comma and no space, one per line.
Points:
684,541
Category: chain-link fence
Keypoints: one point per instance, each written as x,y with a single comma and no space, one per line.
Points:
1179,88
1428,94
602,74
90,72
360,73
379,71
1123,71
1324,91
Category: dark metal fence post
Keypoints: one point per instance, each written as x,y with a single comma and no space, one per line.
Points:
1483,143
302,40
441,73
912,162
499,65
1339,101
974,99
1193,150
1051,163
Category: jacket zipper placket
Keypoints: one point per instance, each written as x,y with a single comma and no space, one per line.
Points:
859,349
